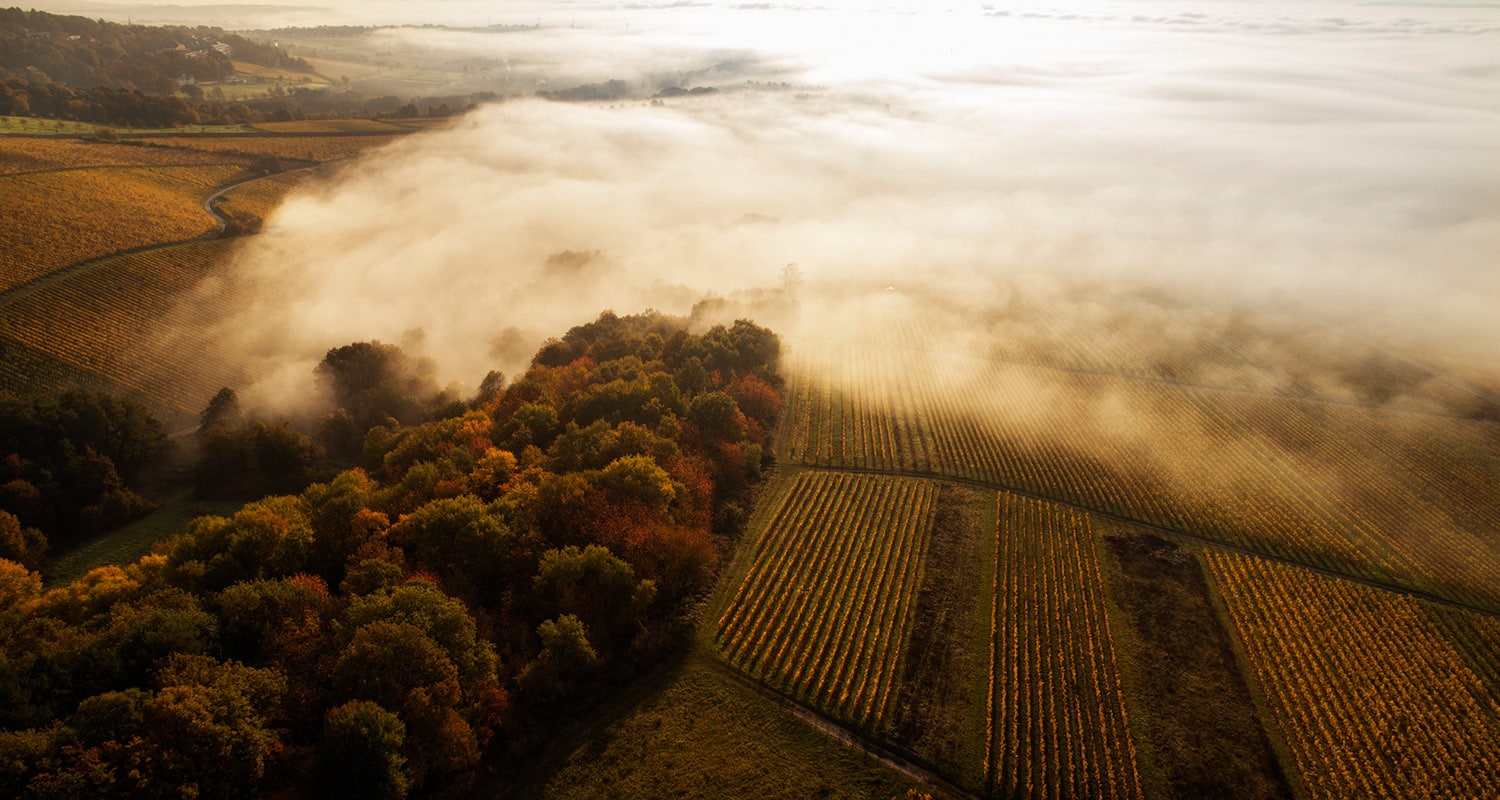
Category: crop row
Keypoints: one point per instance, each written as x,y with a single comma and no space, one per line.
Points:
1369,697
27,154
1438,521
51,220
1056,710
1272,476
127,321
823,610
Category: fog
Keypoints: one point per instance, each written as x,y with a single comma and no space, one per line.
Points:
1332,161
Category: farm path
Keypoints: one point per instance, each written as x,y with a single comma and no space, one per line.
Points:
41,282
209,203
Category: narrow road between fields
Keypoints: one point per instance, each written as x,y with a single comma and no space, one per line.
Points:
208,202
19,291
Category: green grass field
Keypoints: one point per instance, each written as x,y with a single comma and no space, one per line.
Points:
63,127
128,544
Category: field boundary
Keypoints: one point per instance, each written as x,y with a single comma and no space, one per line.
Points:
891,757
1180,533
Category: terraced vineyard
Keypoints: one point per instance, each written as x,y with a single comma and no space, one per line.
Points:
823,612
1371,699
1057,715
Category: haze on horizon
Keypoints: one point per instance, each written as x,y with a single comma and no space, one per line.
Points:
1334,160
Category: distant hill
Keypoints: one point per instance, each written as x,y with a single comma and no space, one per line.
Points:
42,48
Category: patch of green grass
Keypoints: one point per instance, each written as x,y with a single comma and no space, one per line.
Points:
1191,711
706,735
940,712
128,544
64,127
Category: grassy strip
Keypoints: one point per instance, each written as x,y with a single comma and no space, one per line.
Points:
706,736
939,708
66,127
128,544
1191,711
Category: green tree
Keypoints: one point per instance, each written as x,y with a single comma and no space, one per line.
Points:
359,754
442,618
466,544
566,658
592,585
214,725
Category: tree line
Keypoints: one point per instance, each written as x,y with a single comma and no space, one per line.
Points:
459,575
46,48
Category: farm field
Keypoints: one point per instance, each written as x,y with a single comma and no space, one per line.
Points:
1126,661
43,154
824,610
99,242
55,219
1400,497
1372,700
311,147
1057,716
1045,554
254,201
705,734
1193,718
114,322
332,126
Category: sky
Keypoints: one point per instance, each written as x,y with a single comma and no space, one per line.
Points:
1338,160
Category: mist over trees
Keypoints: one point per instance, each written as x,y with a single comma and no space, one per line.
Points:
415,623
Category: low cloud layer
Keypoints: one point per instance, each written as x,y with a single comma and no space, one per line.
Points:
1341,162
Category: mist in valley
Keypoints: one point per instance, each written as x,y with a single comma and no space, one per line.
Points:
1306,181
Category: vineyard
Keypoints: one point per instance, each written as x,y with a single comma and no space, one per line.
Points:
257,199
116,322
51,220
18,155
1371,699
1376,472
1388,499
1319,519
823,611
330,126
1057,718
132,215
301,147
